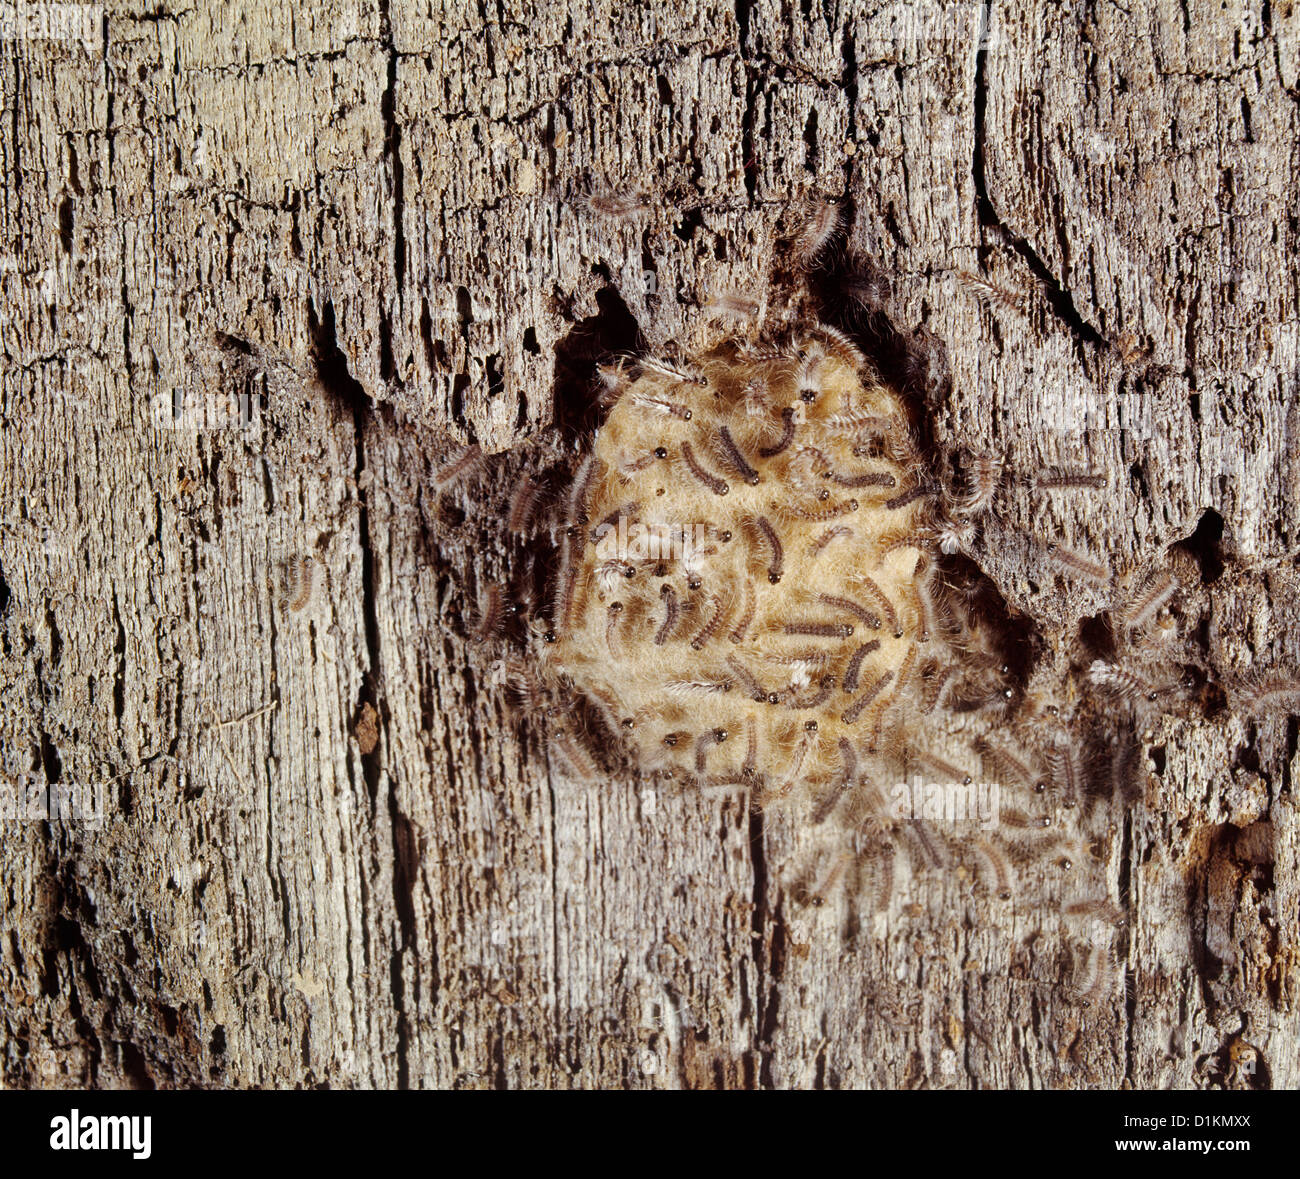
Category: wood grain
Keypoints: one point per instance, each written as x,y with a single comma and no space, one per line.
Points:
331,853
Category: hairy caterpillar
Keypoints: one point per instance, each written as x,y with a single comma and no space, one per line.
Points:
819,228
459,464
1078,565
1154,595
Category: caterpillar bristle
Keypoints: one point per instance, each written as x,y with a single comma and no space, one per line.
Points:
855,710
787,436
1123,682
1078,565
731,304
996,864
821,225
672,611
457,466
571,751
715,484
523,505
1055,478
721,609
620,206
1155,593
992,294
489,614
1093,982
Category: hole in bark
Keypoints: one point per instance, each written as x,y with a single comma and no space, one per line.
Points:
65,224
611,331
689,223
133,1064
1096,636
435,351
51,763
496,381
1204,545
458,387
849,291
810,140
331,364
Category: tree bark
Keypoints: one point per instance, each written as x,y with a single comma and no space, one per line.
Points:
306,840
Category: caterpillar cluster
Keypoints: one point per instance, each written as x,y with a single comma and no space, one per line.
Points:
751,594
749,589
756,587
745,590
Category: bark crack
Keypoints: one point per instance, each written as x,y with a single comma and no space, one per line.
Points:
766,994
333,372
849,84
1058,298
743,10
393,147
1126,902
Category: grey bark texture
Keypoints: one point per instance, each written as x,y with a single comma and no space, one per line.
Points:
328,852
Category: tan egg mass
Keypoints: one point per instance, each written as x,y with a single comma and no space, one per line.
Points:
747,593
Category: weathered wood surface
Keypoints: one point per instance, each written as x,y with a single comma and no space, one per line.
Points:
329,854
